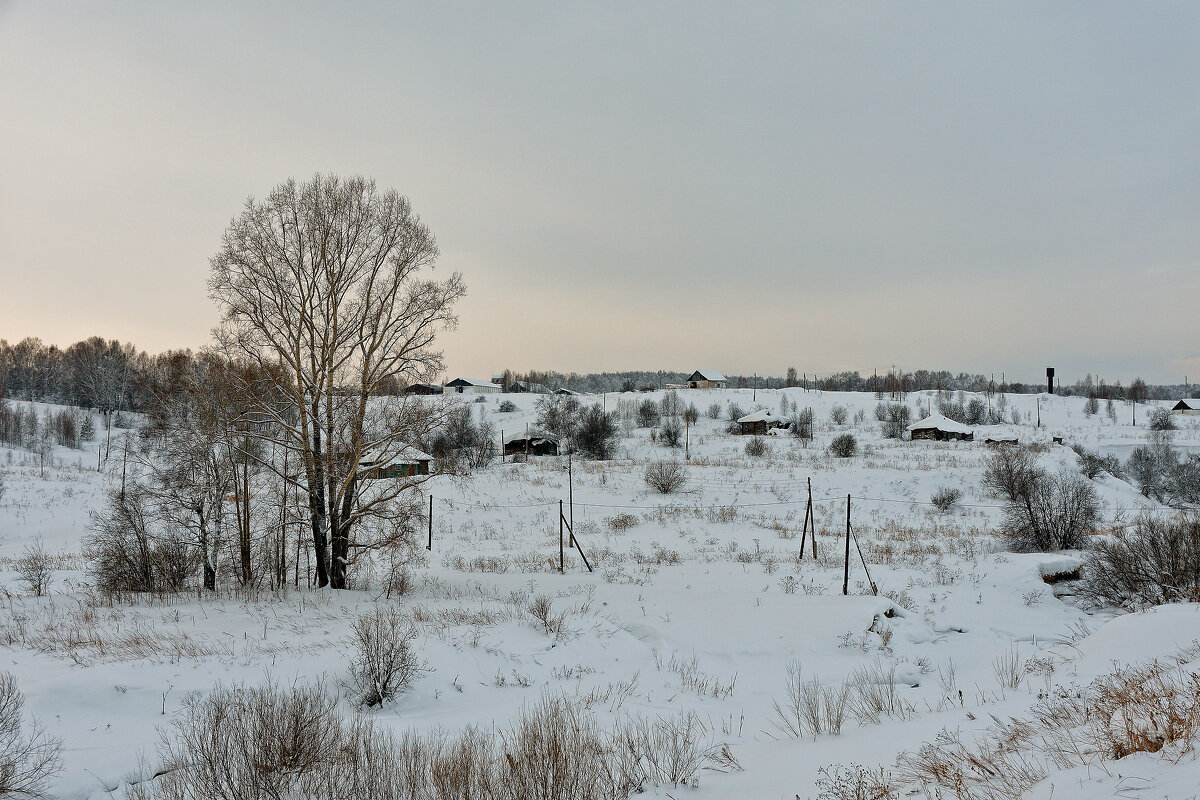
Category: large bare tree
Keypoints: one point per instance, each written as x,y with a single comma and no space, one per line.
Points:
322,288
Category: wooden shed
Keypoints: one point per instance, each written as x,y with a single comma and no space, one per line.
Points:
707,379
941,429
1001,439
423,388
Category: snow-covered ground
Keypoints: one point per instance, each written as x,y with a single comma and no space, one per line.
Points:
699,602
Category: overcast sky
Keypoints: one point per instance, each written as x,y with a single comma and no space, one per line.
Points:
973,186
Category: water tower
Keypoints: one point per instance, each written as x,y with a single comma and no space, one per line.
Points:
1050,379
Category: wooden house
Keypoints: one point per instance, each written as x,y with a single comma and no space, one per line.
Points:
941,429
534,443
423,388
1001,439
407,463
1188,405
758,423
707,379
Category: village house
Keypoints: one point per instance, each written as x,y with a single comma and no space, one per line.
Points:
941,429
534,443
423,388
408,462
758,423
469,386
707,379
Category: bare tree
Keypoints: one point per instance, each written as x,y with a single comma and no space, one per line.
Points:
28,758
320,287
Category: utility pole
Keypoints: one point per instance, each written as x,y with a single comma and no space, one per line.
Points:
754,394
846,567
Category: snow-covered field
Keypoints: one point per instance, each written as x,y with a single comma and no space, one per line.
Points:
698,601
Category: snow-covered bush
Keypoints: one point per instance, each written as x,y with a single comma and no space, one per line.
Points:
1009,472
1055,512
129,550
944,498
757,447
29,757
671,432
666,477
714,411
896,417
844,446
506,407
648,414
1092,463
35,568
596,433
1157,562
838,415
1161,420
384,664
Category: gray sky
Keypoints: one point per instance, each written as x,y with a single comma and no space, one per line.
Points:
971,186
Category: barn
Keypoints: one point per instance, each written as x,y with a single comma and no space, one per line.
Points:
469,386
707,379
1188,405
758,423
941,429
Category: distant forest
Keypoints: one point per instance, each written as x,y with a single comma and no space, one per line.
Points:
109,376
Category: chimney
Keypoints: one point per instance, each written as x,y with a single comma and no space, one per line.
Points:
1050,379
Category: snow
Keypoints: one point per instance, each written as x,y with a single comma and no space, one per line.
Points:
940,423
709,583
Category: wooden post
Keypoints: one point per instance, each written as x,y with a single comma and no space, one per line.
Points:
429,547
502,445
846,568
571,499
561,555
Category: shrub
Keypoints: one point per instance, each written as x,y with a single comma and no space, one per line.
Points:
35,568
384,664
671,432
895,420
648,414
506,407
1161,420
975,412
944,498
622,521
541,608
127,552
838,415
691,414
734,412
596,433
1157,562
1092,464
714,411
757,447
881,411
29,758
666,477
801,424
1010,471
1056,512
844,446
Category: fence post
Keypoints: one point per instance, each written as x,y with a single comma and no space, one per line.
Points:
561,555
846,568
429,547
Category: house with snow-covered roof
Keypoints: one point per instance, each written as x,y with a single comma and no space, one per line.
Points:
707,379
758,423
941,429
1188,405
469,386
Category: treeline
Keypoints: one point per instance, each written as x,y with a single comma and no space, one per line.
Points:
104,374
892,384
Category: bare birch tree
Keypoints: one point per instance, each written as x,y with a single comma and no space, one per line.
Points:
321,287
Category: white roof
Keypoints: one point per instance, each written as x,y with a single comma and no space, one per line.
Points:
759,416
938,422
1001,437
709,375
1191,402
532,436
470,382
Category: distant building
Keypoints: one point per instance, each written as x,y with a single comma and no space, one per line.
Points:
563,390
941,429
532,443
758,423
707,379
1189,405
469,386
1001,439
407,463
423,388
